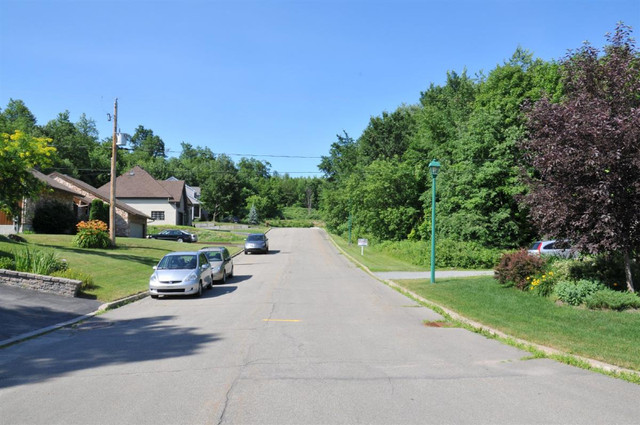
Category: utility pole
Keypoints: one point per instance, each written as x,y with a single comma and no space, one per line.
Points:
112,198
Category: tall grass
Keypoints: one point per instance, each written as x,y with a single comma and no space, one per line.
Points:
31,260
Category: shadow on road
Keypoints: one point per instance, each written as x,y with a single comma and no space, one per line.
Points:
237,278
99,342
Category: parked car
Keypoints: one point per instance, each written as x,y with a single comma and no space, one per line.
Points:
221,262
181,273
256,242
554,248
175,235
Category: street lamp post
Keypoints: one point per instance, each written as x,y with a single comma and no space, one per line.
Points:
434,167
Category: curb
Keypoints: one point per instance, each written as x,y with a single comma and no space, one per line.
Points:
596,365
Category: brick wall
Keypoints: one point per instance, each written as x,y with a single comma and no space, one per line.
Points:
52,285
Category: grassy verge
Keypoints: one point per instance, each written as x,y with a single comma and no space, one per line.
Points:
608,336
118,272
374,258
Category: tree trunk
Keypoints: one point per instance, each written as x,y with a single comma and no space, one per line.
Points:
627,271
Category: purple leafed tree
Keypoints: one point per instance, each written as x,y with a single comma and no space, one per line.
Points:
584,152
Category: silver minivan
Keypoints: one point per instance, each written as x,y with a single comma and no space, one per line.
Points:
221,262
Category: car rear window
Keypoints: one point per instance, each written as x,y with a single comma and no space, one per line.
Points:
535,245
213,255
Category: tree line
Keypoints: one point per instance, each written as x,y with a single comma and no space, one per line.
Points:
532,149
74,148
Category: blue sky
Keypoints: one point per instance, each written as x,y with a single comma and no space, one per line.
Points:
275,78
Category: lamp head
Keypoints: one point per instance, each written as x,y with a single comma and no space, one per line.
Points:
434,167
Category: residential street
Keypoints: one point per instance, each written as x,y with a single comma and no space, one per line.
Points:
298,336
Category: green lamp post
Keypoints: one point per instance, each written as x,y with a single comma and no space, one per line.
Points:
434,167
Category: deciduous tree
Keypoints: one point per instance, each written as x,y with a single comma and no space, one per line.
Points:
19,153
585,152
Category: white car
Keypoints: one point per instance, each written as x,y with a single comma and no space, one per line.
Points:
221,262
181,273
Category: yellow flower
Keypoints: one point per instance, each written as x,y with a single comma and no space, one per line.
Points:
550,273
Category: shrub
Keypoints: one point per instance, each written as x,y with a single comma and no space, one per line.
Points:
607,268
92,234
466,255
515,267
99,210
449,253
290,223
561,268
87,280
543,284
575,293
7,263
613,300
53,217
38,262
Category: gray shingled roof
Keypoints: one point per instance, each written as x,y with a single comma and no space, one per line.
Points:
137,183
96,192
51,182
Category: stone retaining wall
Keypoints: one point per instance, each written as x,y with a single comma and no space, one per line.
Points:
36,282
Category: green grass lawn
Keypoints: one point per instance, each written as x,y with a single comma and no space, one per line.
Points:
118,272
375,259
236,236
609,336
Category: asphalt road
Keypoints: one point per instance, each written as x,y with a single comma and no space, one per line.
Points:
297,336
23,311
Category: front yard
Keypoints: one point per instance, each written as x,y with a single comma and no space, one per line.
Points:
118,272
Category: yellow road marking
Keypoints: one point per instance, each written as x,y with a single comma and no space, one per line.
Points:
280,320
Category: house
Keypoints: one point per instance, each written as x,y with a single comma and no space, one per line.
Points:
165,201
130,222
53,191
193,193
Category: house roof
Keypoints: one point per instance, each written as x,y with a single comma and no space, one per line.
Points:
51,182
96,192
137,183
193,192
175,188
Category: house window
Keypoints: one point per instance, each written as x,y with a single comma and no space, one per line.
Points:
157,215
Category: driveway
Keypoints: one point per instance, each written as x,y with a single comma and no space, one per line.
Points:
24,310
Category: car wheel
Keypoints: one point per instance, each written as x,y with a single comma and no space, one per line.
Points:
199,293
231,274
224,277
246,252
180,240
155,297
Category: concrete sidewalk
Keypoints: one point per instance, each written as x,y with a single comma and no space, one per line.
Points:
440,274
